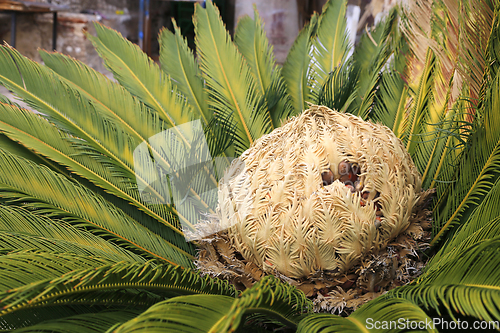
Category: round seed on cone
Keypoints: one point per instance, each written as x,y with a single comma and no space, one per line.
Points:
327,177
344,168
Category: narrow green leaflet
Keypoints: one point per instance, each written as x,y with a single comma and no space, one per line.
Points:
467,284
68,278
231,86
331,42
178,61
221,313
51,193
142,77
297,68
384,314
251,40
83,323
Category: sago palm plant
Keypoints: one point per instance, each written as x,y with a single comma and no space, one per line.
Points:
199,196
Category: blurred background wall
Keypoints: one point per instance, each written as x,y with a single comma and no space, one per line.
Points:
283,20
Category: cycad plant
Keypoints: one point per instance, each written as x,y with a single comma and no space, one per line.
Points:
106,190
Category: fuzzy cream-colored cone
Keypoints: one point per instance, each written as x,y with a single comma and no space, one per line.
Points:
318,196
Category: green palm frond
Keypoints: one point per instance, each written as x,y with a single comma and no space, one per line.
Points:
482,224
221,313
34,186
296,69
84,323
390,103
22,229
251,40
352,85
44,91
30,317
111,100
108,98
142,77
232,89
179,312
40,136
178,61
477,170
467,284
68,278
339,90
277,299
331,43
369,58
386,314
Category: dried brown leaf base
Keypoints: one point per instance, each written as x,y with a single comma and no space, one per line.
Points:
400,262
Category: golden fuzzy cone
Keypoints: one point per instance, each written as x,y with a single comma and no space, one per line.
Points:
283,217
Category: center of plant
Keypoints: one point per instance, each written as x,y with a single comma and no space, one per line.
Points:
326,202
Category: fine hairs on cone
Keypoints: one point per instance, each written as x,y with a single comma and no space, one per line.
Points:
333,205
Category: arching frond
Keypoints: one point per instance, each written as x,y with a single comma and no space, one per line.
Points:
142,77
477,169
180,312
340,88
482,224
43,138
84,323
222,313
178,62
64,278
232,88
369,59
251,40
386,314
296,69
50,193
330,43
21,229
467,284
114,102
45,92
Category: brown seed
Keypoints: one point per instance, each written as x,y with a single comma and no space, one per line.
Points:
327,177
365,195
344,168
353,177
345,179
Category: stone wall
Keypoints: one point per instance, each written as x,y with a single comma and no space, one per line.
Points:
34,31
